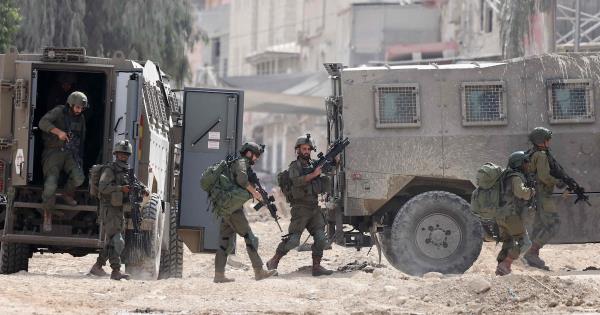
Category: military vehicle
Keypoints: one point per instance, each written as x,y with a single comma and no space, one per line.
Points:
419,133
128,100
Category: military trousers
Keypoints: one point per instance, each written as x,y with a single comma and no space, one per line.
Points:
309,217
546,220
113,224
53,162
236,223
512,234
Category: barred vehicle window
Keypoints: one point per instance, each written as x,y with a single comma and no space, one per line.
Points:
570,101
483,103
397,106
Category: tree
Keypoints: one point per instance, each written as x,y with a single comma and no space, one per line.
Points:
9,23
142,29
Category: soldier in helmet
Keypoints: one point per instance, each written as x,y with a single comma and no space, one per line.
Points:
306,214
546,221
63,134
509,216
113,189
236,222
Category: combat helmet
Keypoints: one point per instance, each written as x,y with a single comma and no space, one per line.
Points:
253,147
304,140
517,159
123,146
540,134
77,98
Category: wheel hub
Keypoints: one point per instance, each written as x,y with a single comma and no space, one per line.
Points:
438,235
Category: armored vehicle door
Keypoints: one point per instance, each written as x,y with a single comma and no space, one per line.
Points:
126,111
212,131
24,106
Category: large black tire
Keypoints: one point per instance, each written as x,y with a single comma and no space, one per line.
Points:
14,257
433,232
171,260
148,268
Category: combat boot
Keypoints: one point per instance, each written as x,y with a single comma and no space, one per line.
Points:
274,262
220,278
68,198
317,269
98,271
532,257
503,267
260,273
117,275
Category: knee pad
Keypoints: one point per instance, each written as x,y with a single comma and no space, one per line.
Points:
227,245
320,239
292,241
251,241
118,243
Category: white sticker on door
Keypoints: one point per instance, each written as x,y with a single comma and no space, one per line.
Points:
19,159
213,145
214,135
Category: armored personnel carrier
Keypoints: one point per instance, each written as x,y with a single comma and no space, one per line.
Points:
128,100
420,132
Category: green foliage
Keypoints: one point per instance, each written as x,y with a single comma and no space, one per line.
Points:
9,23
142,29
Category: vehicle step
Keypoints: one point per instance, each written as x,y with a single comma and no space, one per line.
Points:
53,240
37,205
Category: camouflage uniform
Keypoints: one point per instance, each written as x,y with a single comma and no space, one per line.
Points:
236,222
546,221
510,222
306,213
113,203
55,158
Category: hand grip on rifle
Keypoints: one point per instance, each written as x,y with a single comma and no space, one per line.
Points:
266,199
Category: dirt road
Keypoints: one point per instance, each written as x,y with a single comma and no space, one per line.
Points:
59,284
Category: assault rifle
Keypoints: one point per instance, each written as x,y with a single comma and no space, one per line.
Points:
327,161
136,195
73,145
267,200
531,183
135,250
557,171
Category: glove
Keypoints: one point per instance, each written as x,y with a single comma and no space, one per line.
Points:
561,185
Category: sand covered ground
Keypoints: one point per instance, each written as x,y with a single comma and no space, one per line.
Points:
59,284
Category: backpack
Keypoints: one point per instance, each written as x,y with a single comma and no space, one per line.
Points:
486,199
94,178
224,195
285,183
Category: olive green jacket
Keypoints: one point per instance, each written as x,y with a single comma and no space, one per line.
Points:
57,118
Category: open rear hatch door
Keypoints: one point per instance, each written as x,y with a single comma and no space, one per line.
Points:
212,130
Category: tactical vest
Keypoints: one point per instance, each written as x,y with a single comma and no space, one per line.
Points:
119,198
68,123
510,204
306,194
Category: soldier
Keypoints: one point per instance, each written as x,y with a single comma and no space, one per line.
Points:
64,135
546,221
509,219
306,213
236,222
113,189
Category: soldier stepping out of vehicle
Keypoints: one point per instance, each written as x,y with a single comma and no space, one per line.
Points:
234,220
546,221
64,135
113,192
306,214
514,196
